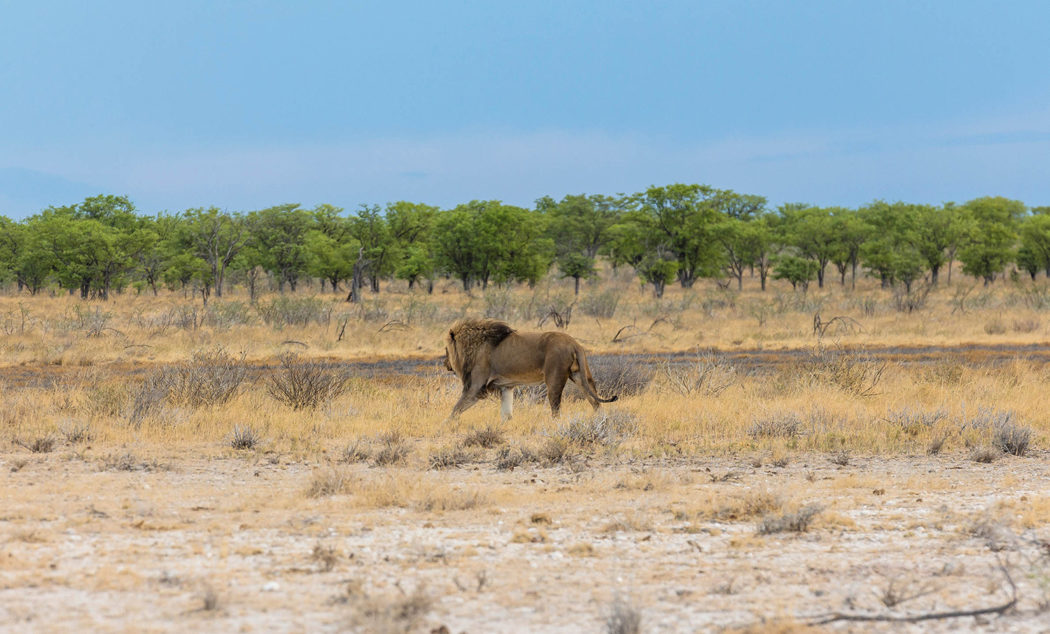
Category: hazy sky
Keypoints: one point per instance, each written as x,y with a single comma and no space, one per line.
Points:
244,105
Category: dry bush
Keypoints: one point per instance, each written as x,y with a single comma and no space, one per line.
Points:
244,437
398,614
601,304
356,451
284,311
329,481
1011,438
485,437
556,450
623,618
448,458
777,425
796,522
303,384
703,374
393,449
850,371
76,433
995,327
1004,434
914,422
210,378
326,557
1026,325
621,376
40,444
744,506
985,454
605,428
944,373
508,458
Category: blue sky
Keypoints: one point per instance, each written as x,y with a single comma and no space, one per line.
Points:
244,105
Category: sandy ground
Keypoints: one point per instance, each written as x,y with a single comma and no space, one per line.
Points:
232,542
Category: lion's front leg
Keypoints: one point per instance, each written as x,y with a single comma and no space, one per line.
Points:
472,391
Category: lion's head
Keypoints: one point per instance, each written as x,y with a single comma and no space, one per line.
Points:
466,337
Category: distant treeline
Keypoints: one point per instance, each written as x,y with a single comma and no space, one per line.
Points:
670,233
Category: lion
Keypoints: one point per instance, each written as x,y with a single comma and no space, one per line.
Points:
488,356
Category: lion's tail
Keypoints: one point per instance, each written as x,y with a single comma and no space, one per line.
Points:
587,382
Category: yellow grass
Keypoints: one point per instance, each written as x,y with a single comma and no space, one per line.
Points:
375,485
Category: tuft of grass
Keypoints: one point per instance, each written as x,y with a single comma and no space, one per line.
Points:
556,450
704,375
244,437
778,425
326,557
510,458
40,444
796,522
357,451
393,450
485,437
605,428
76,433
329,481
304,385
985,454
1011,438
623,618
448,458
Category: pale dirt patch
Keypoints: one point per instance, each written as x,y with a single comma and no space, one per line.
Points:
228,543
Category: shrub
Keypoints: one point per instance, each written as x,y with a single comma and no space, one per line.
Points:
622,376
509,458
601,305
486,437
797,522
244,437
327,482
600,428
780,425
295,311
210,378
304,385
393,450
40,444
448,458
702,374
623,619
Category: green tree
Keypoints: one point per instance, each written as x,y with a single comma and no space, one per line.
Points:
686,216
216,238
579,229
850,233
747,244
1035,242
812,231
797,270
279,234
988,246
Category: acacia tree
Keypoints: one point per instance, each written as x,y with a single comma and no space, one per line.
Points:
686,217
215,238
411,227
850,233
746,244
1035,244
579,229
988,245
279,235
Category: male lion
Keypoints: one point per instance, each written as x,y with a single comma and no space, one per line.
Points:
489,355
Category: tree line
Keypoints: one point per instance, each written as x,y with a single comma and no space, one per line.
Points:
666,234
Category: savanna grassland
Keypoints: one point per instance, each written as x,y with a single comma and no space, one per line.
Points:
777,461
